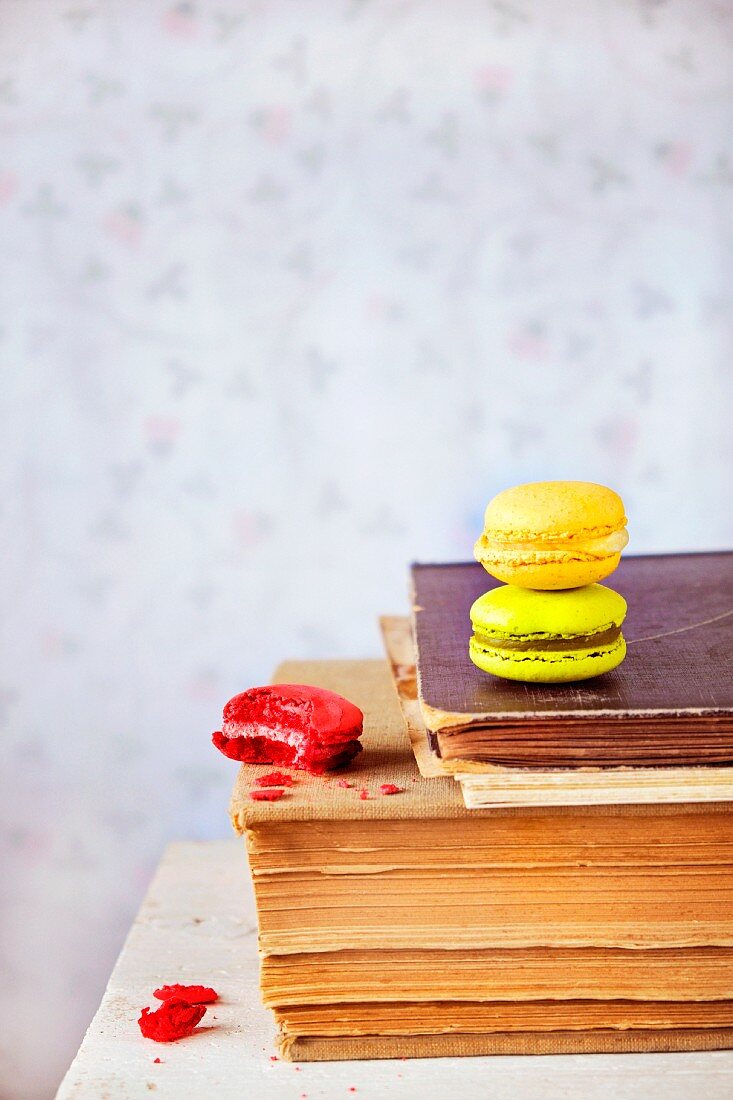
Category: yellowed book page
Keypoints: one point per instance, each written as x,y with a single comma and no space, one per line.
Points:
470,1018
554,907
684,974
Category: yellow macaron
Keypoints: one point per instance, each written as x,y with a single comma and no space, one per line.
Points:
553,534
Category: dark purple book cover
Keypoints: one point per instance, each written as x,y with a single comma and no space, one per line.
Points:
678,672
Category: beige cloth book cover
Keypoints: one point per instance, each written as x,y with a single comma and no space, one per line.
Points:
387,758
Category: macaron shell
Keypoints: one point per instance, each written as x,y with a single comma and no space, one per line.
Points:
547,510
565,572
556,667
319,713
518,613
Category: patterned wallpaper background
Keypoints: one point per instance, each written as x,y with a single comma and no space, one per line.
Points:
289,291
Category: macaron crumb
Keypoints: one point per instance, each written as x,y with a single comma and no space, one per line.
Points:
391,788
345,784
364,794
267,794
275,779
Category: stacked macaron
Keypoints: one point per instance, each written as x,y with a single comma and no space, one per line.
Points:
551,541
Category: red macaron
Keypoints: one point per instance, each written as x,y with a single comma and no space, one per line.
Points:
294,725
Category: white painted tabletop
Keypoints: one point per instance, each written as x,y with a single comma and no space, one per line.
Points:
197,925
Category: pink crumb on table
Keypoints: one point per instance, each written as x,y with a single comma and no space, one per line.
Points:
364,794
275,779
391,788
267,794
345,784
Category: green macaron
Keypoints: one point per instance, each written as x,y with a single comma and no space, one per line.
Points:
548,637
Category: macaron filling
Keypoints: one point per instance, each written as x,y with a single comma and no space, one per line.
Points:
612,542
536,644
552,549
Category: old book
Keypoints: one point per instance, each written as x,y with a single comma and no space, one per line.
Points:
477,920
669,704
491,785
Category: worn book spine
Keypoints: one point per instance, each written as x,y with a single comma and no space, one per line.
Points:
313,1049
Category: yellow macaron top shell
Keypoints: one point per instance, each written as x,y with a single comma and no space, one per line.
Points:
553,534
550,511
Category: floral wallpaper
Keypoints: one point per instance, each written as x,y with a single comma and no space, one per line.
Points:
289,291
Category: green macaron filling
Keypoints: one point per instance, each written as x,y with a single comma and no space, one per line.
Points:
601,638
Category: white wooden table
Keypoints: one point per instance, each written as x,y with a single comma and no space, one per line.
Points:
197,924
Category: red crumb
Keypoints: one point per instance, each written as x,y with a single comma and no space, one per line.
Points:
193,994
390,788
268,794
175,1019
364,794
273,1058
275,779
156,1061
343,783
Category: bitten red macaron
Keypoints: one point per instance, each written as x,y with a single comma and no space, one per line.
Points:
295,725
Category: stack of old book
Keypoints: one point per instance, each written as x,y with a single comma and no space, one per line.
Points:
409,924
